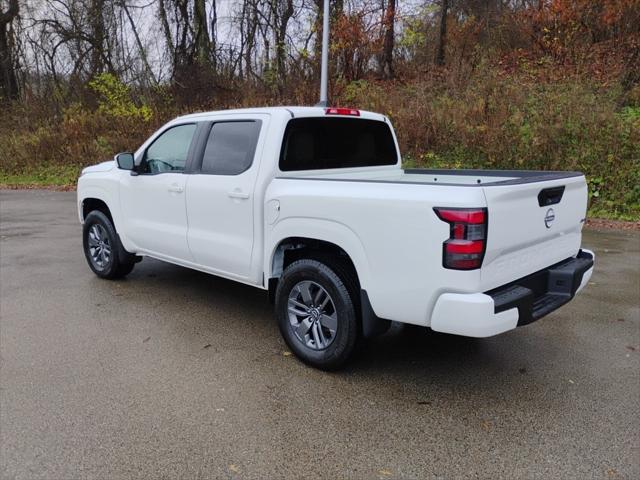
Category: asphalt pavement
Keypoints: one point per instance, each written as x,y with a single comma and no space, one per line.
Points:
173,373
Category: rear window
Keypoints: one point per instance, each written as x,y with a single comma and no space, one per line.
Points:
323,143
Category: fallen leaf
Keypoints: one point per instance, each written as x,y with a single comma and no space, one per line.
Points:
233,468
486,424
631,348
286,354
612,472
385,473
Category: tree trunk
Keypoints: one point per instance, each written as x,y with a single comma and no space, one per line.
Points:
281,38
213,43
162,13
252,26
202,40
389,39
96,14
141,49
8,80
442,39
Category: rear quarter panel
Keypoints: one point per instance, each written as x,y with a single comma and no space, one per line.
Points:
390,231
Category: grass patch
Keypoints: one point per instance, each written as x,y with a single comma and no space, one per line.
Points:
44,176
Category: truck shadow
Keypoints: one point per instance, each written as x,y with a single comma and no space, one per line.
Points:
421,350
414,351
230,327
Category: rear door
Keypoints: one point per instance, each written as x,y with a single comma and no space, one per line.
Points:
532,226
220,194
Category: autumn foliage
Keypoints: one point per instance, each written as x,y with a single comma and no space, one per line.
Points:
532,84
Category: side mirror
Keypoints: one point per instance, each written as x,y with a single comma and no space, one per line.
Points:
125,161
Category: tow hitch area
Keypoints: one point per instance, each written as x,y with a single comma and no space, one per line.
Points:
541,293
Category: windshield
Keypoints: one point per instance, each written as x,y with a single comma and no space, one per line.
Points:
320,143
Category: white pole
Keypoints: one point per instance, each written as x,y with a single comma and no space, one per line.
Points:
324,70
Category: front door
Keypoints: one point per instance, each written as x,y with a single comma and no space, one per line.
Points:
220,197
153,202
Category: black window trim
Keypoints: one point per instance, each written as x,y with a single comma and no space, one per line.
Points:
190,151
202,145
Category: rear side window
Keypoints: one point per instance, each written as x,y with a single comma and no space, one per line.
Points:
323,143
230,147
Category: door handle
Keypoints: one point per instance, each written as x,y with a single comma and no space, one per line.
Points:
175,188
550,196
238,194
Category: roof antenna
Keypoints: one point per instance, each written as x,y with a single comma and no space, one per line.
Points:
324,69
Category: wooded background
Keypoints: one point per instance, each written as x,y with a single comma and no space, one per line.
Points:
535,84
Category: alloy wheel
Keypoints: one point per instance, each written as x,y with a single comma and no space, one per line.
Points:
99,246
312,315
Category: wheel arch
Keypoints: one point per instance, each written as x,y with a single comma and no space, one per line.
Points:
313,236
95,196
89,204
290,248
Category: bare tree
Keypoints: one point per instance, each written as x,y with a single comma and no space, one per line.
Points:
97,35
143,53
389,39
9,81
442,37
282,13
202,41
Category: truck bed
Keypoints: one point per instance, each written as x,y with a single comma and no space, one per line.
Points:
421,176
534,218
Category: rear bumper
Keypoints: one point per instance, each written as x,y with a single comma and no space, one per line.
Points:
515,304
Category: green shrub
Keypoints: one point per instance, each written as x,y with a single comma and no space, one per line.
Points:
115,98
486,120
513,123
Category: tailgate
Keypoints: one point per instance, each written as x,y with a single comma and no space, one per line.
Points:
531,226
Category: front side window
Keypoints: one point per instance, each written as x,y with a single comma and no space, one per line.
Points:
321,143
230,147
168,152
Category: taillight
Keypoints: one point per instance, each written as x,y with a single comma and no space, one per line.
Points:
342,111
466,245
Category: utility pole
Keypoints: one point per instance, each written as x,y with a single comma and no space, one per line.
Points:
324,69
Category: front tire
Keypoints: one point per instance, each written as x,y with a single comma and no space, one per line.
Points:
317,315
102,248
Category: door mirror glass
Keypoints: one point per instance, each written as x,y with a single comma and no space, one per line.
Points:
125,161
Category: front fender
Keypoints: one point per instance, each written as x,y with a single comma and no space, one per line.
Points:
99,193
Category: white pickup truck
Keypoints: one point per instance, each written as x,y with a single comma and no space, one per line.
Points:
312,204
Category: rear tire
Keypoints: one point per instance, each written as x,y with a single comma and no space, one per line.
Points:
102,249
316,313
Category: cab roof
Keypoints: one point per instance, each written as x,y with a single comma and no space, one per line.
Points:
294,112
